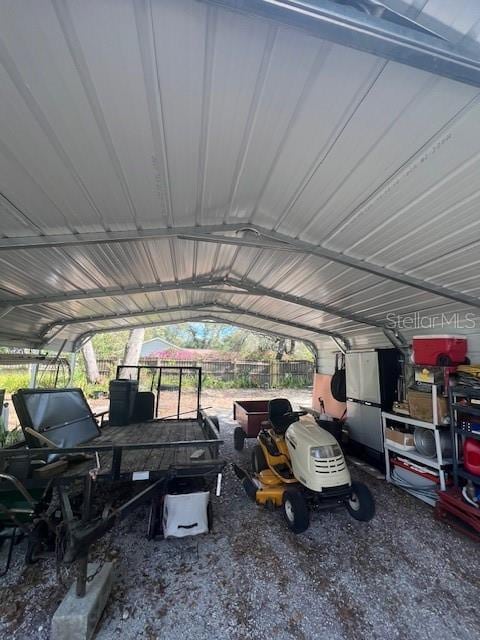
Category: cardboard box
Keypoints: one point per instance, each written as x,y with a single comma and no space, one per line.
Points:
401,438
421,407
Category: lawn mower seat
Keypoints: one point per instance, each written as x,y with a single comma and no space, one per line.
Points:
281,415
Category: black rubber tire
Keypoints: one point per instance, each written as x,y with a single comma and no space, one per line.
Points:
238,438
338,385
295,511
258,459
250,489
444,360
363,508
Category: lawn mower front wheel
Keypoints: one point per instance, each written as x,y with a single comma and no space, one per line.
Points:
295,511
360,505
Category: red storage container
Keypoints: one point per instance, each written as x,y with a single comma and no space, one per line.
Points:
440,351
471,456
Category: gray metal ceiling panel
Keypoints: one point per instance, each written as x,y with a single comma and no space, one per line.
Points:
147,115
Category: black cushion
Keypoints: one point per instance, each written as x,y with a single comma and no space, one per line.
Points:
277,410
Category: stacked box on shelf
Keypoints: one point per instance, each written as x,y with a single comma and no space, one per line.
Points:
402,458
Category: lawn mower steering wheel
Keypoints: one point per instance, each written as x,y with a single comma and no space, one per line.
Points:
295,414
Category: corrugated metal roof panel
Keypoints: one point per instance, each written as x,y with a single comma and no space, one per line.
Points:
146,116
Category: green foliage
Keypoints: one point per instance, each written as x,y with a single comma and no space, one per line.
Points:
223,337
9,437
89,389
110,345
13,380
290,381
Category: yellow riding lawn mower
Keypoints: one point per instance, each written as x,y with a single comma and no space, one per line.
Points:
298,466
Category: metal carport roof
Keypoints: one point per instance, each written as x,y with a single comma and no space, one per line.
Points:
162,161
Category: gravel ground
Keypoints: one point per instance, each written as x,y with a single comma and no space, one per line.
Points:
403,575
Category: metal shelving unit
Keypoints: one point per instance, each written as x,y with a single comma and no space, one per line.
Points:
458,433
438,463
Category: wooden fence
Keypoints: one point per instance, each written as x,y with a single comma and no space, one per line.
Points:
267,374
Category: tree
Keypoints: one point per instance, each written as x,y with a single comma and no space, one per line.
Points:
90,360
283,348
134,346
196,335
110,345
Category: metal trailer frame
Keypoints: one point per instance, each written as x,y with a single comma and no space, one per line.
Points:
180,368
82,529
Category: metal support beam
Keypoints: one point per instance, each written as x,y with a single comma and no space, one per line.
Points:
237,286
212,306
275,241
200,318
103,237
349,27
72,364
340,346
62,324
33,375
258,290
265,239
288,323
5,312
397,340
192,284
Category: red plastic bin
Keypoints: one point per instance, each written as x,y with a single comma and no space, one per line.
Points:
471,456
440,351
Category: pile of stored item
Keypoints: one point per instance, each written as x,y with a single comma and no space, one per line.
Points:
171,463
460,504
432,439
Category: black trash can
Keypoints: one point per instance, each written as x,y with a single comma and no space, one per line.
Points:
144,406
122,401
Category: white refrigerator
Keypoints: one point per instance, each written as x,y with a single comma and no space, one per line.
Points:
371,380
